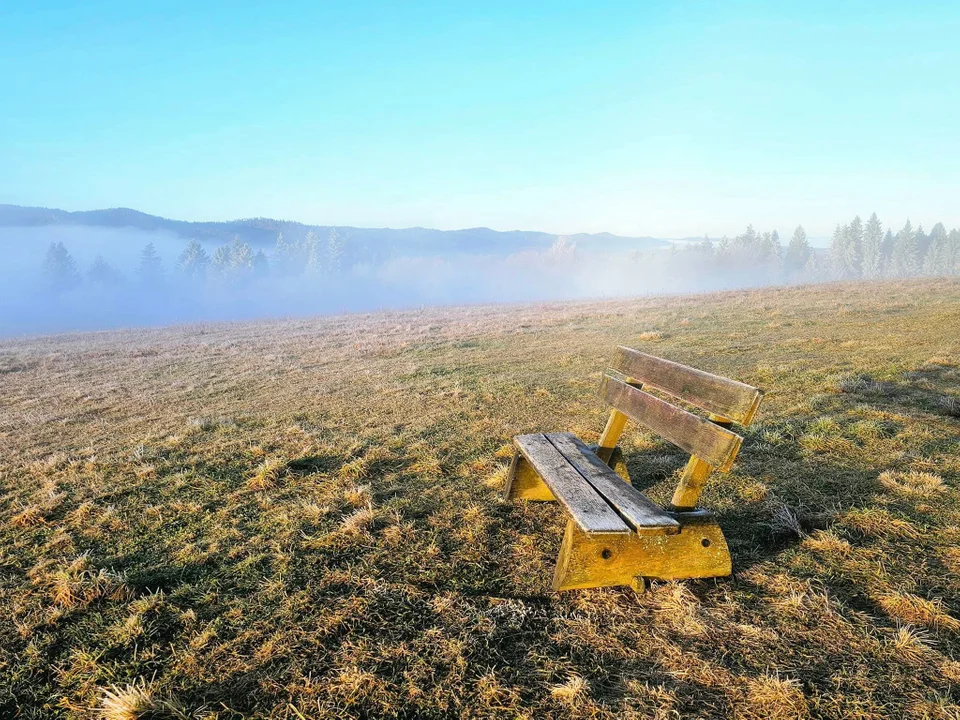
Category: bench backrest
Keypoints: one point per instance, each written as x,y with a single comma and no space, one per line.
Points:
717,395
712,446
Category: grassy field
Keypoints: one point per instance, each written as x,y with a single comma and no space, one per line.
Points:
301,519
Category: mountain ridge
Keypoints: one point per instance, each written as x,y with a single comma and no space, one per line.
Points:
262,232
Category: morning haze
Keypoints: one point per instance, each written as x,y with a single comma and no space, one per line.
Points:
115,268
481,360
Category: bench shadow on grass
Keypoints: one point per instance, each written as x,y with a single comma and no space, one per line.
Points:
812,486
524,616
809,487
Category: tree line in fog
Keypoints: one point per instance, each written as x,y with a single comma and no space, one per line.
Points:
858,251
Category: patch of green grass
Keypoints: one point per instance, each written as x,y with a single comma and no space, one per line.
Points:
302,519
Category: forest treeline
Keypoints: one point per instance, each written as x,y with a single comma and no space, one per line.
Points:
859,250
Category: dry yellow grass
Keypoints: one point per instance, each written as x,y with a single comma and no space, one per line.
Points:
301,518
137,701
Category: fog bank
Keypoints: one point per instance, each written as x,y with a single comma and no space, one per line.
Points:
66,278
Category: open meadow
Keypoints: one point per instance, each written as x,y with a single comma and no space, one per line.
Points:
302,518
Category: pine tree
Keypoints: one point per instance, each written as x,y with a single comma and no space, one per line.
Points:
744,249
193,262
798,253
704,246
335,252
313,254
150,271
764,246
873,249
839,255
724,249
745,244
564,249
286,256
221,261
101,273
854,248
953,252
241,256
937,260
886,253
903,261
818,267
768,253
60,269
921,243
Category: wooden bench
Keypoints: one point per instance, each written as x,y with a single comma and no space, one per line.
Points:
615,534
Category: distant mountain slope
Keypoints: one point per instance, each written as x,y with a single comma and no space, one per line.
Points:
263,232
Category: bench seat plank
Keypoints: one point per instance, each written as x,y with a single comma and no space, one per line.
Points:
640,512
586,506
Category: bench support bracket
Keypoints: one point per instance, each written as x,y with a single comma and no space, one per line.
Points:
587,561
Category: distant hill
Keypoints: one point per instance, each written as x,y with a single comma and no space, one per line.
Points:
262,232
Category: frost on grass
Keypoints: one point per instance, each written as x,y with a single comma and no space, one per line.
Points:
772,697
211,423
358,522
29,516
950,405
79,583
876,522
785,521
910,642
299,598
572,692
138,701
917,610
267,475
912,484
358,495
865,385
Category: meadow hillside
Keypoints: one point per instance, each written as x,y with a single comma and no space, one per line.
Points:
300,519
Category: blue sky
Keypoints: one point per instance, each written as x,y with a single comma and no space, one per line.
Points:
649,118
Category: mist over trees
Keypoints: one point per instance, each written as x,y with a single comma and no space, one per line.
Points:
858,251
59,269
311,272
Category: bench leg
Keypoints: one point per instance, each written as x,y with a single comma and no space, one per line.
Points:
698,551
523,483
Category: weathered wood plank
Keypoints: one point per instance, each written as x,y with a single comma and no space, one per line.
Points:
698,550
694,477
613,430
632,505
611,434
714,444
713,393
587,508
691,484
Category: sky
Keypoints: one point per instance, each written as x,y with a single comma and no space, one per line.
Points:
668,119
